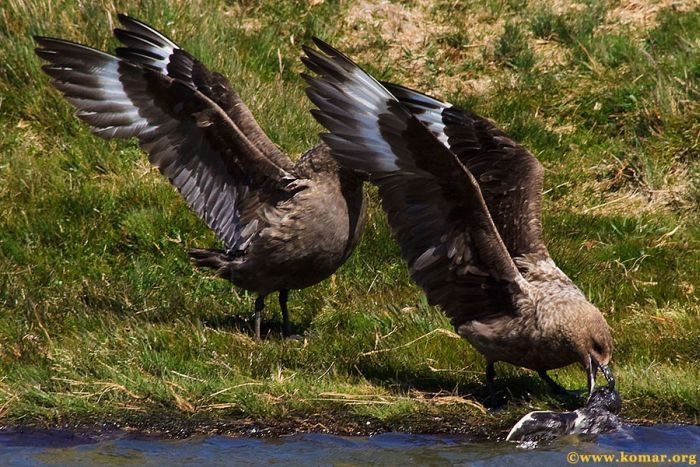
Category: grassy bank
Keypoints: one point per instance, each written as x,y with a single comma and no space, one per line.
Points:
103,319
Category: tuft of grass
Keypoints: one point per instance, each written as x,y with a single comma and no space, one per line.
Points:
103,318
512,48
543,24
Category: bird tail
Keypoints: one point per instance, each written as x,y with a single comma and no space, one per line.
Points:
212,258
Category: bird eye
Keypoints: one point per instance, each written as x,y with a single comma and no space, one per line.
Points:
597,347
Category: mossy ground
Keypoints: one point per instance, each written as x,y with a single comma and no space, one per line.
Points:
103,318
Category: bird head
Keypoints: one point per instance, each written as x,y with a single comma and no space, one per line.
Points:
594,345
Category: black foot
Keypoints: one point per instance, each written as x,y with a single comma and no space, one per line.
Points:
492,402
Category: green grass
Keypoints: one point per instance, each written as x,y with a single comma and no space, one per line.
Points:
102,317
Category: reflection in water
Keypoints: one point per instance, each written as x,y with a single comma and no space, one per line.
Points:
50,447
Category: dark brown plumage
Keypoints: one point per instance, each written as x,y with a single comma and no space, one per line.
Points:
284,225
464,203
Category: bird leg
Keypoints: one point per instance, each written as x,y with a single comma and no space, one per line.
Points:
556,387
259,305
284,294
490,374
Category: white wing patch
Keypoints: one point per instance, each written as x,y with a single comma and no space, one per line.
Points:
432,119
427,110
375,103
151,47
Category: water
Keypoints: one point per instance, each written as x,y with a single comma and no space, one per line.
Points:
22,448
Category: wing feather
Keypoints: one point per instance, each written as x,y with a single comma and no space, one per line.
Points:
146,46
433,203
510,178
187,136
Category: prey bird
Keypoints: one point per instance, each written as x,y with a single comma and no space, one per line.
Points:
464,204
283,225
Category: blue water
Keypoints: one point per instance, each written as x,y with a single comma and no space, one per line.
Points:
33,447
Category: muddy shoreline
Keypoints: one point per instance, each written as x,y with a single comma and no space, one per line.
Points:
178,427
490,428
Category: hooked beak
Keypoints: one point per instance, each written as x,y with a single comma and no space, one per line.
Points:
605,369
593,368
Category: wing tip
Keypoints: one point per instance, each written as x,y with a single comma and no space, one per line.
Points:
328,49
323,45
136,26
127,20
47,42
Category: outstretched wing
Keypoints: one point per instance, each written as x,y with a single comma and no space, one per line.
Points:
433,202
148,47
192,141
509,176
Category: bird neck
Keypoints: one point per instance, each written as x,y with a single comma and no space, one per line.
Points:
318,162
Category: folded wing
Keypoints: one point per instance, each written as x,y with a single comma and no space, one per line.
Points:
433,203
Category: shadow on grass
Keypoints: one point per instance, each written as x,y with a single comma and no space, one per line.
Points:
518,389
269,328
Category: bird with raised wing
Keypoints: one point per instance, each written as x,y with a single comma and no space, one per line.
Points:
283,225
464,204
